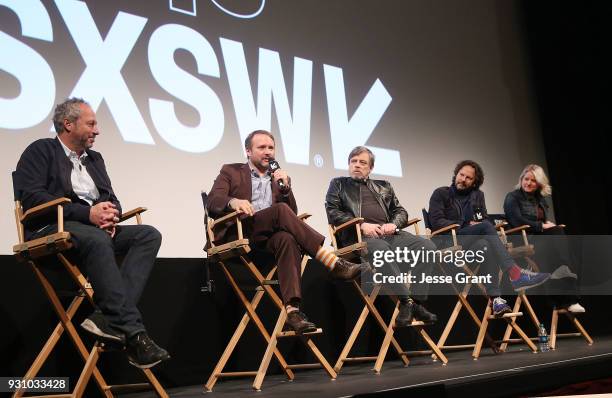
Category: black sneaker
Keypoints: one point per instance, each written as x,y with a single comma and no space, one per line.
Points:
97,325
405,316
143,353
421,314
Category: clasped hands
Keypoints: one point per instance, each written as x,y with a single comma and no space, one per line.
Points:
105,215
375,230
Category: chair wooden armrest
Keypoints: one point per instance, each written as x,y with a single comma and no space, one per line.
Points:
413,221
517,229
304,216
445,229
226,218
44,208
132,213
501,225
561,225
354,221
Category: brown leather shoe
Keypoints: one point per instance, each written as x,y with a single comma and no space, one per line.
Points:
345,269
297,321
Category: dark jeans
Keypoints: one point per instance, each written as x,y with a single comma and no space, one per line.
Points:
116,289
552,251
483,236
417,291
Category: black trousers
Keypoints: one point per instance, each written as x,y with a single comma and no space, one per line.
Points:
552,251
117,290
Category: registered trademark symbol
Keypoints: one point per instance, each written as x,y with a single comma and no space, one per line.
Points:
318,160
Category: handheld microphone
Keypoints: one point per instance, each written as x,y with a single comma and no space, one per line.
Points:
478,214
273,167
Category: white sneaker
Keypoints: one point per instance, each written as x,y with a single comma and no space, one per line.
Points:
576,308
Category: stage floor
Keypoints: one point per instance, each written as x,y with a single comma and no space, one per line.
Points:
516,372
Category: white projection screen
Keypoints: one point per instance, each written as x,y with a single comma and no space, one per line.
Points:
177,85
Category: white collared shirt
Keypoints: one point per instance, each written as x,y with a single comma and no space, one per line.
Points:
82,183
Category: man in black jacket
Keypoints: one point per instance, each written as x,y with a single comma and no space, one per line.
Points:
463,203
65,166
375,201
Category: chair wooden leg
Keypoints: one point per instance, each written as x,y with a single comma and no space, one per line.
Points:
255,318
279,304
482,331
70,329
553,329
462,302
581,329
265,362
508,332
352,338
511,321
157,387
369,308
90,364
450,324
437,352
574,320
386,341
44,353
321,359
383,326
530,311
231,345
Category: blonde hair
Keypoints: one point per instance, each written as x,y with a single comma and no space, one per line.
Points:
540,176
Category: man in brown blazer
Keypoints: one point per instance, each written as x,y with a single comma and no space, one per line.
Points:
271,223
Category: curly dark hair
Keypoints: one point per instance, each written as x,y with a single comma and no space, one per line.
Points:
479,175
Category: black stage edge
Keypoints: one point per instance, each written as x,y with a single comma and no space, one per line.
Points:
515,373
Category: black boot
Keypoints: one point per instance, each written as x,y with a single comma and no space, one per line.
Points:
406,315
143,353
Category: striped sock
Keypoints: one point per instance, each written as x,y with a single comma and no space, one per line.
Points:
327,257
290,308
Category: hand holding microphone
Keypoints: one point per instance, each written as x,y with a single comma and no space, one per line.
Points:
278,175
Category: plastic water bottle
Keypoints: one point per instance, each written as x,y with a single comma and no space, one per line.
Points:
543,339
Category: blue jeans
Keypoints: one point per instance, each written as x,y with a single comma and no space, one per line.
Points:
480,236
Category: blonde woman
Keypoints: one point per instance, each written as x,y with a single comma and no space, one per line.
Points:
527,205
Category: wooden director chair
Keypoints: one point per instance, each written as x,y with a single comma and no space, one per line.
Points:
238,250
354,252
462,295
56,244
462,302
526,251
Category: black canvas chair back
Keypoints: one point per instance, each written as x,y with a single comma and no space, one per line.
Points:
16,191
426,220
